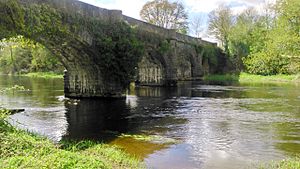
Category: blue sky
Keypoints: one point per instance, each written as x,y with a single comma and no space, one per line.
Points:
194,7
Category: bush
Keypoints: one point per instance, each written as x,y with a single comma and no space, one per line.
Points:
267,63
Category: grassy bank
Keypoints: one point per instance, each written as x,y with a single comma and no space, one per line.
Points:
292,163
46,75
20,149
250,78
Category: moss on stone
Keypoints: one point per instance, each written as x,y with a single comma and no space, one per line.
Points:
164,47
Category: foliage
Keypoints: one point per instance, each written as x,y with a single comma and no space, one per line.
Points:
12,18
264,44
19,148
267,63
240,33
164,47
9,55
208,51
119,51
21,55
41,20
44,61
281,46
170,15
220,21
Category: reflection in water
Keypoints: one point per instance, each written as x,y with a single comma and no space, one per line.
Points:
105,120
96,118
215,126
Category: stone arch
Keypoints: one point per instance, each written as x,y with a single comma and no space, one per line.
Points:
86,39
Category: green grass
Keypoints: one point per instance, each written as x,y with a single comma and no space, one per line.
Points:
291,163
250,78
21,149
46,75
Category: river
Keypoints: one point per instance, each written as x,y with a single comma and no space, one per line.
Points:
199,124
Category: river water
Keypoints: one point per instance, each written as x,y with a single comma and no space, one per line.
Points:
199,125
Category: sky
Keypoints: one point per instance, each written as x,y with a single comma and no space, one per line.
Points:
193,7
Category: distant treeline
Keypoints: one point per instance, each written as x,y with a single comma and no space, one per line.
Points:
19,55
265,42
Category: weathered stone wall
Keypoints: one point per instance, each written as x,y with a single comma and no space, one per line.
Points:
166,33
90,84
181,62
150,72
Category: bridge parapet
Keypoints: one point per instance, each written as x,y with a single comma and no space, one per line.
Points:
163,32
78,7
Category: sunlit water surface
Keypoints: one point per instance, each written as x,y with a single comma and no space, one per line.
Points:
211,126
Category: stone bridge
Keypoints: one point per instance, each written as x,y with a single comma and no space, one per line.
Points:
103,50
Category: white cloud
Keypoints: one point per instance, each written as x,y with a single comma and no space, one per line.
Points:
237,6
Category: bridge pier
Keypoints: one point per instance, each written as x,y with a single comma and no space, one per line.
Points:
83,85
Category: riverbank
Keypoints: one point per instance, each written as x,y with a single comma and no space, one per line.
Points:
20,149
250,78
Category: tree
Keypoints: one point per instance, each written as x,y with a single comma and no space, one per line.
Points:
287,30
12,45
170,15
197,25
240,37
220,21
278,35
21,55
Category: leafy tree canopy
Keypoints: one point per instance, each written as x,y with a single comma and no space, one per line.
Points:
170,15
